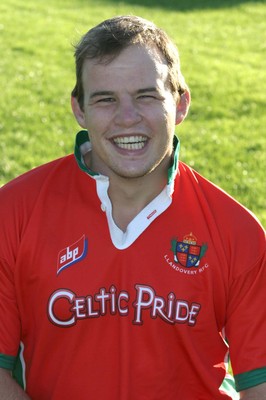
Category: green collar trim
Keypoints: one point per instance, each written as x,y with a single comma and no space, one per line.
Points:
172,171
83,137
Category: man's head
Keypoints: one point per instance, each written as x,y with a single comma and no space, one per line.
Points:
108,39
129,96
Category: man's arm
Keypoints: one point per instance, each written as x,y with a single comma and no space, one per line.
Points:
254,393
9,389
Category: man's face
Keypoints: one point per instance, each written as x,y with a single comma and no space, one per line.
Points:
130,113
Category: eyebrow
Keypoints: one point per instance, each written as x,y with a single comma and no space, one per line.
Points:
149,89
101,93
111,93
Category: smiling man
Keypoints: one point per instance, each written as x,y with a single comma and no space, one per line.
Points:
130,113
124,273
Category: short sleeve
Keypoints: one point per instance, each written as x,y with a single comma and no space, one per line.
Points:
10,322
246,323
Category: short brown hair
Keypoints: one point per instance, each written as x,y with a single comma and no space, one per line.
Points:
106,40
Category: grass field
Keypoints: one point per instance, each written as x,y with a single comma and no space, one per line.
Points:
222,46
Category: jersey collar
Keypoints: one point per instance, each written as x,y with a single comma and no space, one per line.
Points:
83,145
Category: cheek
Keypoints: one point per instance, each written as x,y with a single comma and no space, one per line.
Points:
168,122
170,118
167,113
97,121
93,123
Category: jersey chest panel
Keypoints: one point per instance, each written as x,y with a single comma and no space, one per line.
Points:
118,304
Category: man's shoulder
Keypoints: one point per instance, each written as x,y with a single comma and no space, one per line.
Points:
217,204
206,189
28,185
37,175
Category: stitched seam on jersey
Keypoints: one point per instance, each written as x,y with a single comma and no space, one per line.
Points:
251,378
20,368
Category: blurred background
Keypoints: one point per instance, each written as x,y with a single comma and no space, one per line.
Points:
222,45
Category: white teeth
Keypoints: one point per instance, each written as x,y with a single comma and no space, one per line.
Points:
131,146
130,142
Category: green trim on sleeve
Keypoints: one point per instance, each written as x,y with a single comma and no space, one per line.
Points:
249,379
18,372
7,362
13,364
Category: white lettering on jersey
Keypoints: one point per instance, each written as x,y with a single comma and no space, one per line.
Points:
65,308
60,294
173,311
146,299
69,255
81,307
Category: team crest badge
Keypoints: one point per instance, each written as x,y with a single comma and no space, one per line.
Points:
188,253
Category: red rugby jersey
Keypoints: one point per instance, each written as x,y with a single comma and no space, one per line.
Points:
145,314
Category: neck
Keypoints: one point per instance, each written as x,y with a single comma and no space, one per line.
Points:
130,196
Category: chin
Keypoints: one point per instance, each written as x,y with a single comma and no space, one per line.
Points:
133,173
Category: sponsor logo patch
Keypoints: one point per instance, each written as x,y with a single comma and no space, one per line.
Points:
72,254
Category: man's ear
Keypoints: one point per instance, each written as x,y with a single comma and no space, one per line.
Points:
78,112
182,107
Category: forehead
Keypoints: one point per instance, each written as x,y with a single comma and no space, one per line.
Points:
134,65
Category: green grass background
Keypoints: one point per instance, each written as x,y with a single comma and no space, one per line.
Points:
223,52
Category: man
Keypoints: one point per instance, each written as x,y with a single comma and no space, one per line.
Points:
125,274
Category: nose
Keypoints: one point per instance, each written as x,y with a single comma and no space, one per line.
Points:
127,113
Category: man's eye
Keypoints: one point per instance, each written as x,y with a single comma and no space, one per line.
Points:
147,97
106,100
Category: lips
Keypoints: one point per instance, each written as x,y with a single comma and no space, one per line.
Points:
130,142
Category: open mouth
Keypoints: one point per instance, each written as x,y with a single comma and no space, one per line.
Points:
130,142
